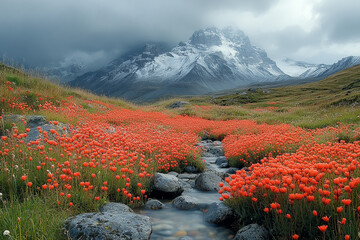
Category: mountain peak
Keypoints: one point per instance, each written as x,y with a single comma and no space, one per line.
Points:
208,37
211,60
213,36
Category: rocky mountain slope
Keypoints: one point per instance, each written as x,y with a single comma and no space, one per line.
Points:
304,70
211,60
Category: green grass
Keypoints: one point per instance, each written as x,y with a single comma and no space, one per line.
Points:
35,218
312,105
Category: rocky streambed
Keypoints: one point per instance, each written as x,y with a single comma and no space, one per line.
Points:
184,206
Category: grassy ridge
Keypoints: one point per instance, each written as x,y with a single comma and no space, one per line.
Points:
313,105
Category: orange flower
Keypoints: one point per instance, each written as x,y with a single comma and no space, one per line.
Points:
339,209
346,202
323,228
326,218
295,236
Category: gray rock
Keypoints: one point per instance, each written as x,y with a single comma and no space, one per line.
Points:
115,208
107,225
217,143
190,169
192,183
185,202
187,176
224,165
221,160
31,120
208,154
186,238
34,134
232,170
216,151
166,186
178,104
210,160
173,173
35,121
154,204
185,184
208,181
219,213
252,232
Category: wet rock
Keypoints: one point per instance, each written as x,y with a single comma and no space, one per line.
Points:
216,151
185,202
187,176
185,184
210,160
224,165
166,186
219,213
232,170
252,232
178,104
180,233
186,238
154,204
220,160
192,183
109,224
162,227
173,173
208,181
190,169
207,154
194,233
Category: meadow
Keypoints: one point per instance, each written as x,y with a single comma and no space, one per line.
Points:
302,157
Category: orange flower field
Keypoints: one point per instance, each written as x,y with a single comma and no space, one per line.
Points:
300,183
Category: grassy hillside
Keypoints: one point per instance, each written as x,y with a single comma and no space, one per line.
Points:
109,149
318,104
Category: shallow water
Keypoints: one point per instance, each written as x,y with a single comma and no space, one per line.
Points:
170,223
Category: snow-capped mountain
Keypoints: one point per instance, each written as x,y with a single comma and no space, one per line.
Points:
304,70
211,60
342,64
65,73
301,69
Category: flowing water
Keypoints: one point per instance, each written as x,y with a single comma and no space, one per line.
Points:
171,223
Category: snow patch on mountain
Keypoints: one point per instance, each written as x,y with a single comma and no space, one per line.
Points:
295,68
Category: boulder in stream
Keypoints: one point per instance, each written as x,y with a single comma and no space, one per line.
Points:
166,186
114,221
208,181
252,232
185,202
219,213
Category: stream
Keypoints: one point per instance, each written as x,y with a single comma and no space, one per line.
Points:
170,223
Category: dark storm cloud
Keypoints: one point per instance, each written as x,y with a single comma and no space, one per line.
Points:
340,20
41,32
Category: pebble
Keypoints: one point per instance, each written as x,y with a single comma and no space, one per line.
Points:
193,233
180,233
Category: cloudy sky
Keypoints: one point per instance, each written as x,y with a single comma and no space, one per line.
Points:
52,32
